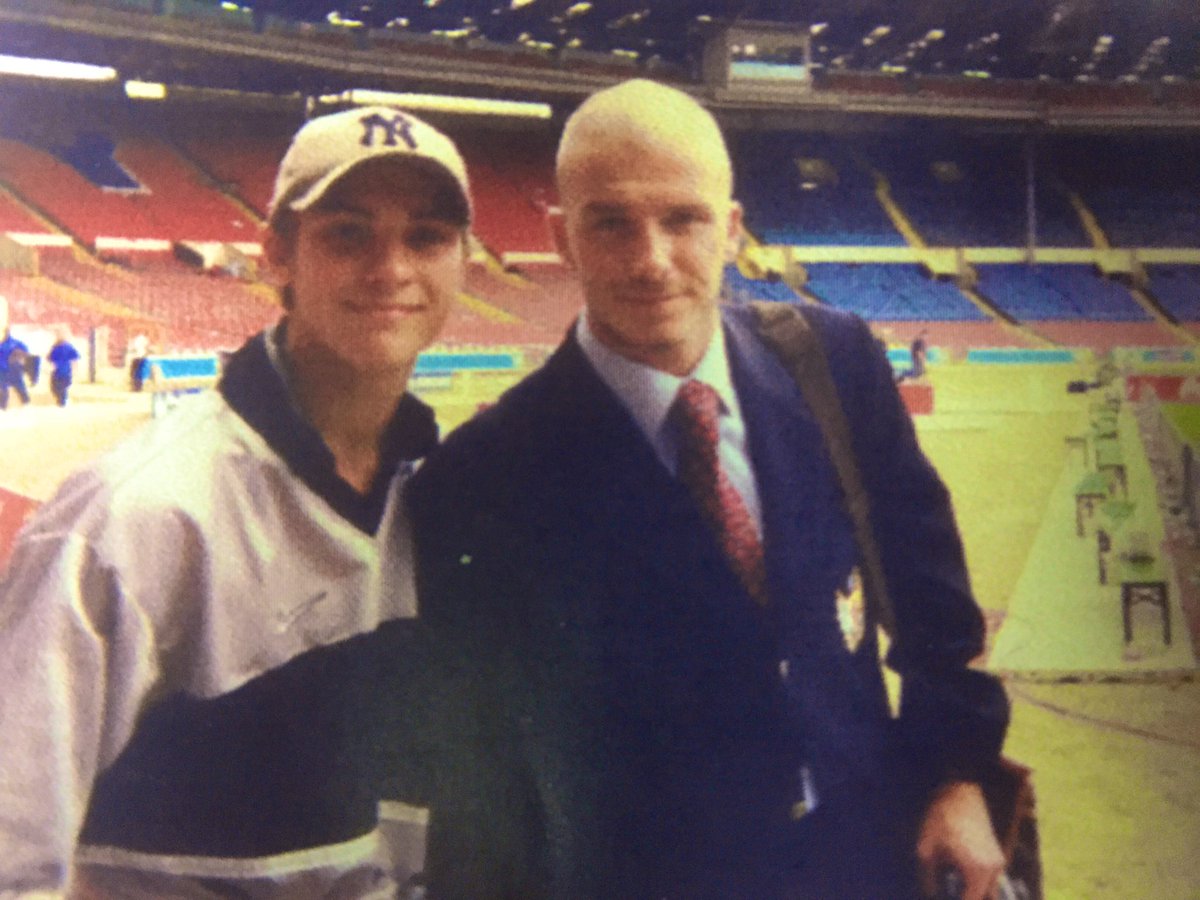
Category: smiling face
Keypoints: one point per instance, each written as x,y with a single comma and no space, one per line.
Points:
373,268
649,232
648,223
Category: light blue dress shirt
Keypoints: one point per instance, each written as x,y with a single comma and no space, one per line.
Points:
648,394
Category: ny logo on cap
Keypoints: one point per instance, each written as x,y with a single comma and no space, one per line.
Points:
396,126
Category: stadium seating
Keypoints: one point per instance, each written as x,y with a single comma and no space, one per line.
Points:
740,289
179,204
171,205
1142,193
511,179
559,291
544,313
972,191
15,218
1057,292
814,190
887,292
827,200
33,301
221,308
63,194
513,187
1105,336
241,164
1177,288
201,310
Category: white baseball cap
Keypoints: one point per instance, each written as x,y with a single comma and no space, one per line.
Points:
328,147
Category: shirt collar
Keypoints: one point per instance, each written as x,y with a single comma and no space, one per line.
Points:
648,392
254,385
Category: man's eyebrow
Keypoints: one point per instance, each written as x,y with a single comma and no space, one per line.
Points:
601,207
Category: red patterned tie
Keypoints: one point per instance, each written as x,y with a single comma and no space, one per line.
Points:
695,412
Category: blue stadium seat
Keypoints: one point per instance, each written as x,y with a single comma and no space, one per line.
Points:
1142,192
1039,293
971,191
889,292
1177,289
832,203
91,155
740,289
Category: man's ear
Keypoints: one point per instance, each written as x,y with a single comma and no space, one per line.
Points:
733,236
558,227
277,253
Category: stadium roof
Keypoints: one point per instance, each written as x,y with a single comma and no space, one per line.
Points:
1055,64
1060,40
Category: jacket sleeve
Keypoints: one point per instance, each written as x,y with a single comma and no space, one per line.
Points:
485,827
76,662
952,717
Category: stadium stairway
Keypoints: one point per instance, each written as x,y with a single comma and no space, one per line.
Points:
1090,223
19,216
1007,322
43,217
1148,302
901,221
753,262
487,311
210,180
903,224
1142,296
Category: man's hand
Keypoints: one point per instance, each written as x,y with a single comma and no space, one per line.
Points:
957,832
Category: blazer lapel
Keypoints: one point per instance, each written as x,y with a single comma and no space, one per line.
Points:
641,517
803,520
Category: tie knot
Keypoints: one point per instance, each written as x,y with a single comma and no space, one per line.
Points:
699,402
695,412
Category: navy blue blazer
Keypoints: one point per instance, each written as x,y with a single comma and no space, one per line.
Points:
613,714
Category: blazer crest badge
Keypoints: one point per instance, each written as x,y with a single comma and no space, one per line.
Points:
851,610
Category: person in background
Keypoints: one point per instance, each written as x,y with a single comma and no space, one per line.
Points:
13,355
917,351
636,558
62,357
139,349
180,623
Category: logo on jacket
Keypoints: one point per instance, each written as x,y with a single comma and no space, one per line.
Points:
851,610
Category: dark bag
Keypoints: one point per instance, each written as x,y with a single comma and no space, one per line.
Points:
1008,789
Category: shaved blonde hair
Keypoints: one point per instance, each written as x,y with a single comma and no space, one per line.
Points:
641,113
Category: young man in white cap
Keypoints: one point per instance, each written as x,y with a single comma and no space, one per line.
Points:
180,624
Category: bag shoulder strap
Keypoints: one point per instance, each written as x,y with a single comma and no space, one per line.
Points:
787,332
1009,788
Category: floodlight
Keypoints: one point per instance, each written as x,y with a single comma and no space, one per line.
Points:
145,90
54,68
446,103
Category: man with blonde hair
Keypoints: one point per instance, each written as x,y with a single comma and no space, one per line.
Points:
641,550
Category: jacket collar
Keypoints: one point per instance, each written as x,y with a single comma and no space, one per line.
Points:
256,390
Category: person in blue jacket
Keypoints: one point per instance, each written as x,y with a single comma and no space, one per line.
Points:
62,357
13,354
650,700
